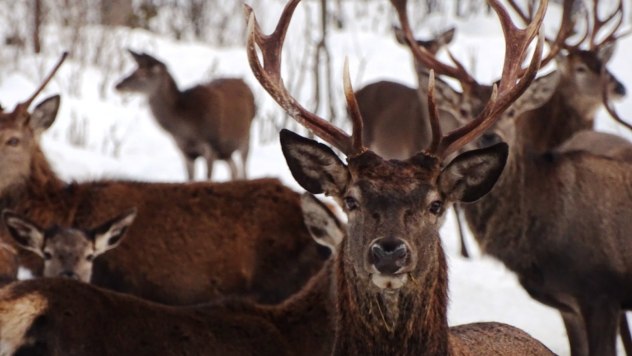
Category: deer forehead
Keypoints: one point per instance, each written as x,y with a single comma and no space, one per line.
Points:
67,240
394,182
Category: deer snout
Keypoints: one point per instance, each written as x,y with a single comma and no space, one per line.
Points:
619,88
69,274
389,256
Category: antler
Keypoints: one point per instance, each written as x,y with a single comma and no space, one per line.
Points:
599,23
428,59
24,106
564,32
514,81
269,75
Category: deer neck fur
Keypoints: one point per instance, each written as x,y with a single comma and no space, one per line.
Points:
163,101
404,322
557,120
40,185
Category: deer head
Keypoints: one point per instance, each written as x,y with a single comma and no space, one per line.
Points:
394,206
20,133
149,75
67,252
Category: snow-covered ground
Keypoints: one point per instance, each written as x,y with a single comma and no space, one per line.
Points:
99,133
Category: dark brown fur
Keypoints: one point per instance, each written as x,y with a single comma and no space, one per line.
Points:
566,240
79,319
390,199
189,242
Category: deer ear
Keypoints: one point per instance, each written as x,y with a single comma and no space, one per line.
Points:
605,52
321,222
110,234
138,58
25,233
314,166
473,174
44,114
447,36
536,95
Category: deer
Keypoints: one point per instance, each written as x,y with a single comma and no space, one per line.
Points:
34,313
68,252
190,242
396,121
390,272
208,120
566,245
581,77
60,316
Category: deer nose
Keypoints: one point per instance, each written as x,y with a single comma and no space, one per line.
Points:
69,274
619,88
389,255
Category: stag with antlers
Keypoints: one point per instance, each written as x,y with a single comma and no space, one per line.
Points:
390,273
558,219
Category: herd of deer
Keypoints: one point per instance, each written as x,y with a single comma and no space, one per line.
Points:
231,268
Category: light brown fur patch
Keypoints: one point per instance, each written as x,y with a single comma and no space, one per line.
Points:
16,317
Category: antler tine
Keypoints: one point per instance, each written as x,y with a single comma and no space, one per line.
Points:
598,24
24,106
564,32
434,115
269,75
518,10
425,57
607,104
512,84
354,110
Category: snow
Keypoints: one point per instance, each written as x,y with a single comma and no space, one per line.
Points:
100,122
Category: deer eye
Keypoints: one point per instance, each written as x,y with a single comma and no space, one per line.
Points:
90,257
13,141
581,69
47,255
351,203
436,207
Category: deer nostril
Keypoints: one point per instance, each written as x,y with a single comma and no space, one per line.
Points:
69,274
619,89
388,255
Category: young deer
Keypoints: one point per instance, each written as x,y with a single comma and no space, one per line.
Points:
68,252
189,242
63,317
210,121
390,273
557,219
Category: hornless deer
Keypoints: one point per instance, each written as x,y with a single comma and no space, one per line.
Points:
390,273
62,317
189,241
68,252
396,123
210,121
559,221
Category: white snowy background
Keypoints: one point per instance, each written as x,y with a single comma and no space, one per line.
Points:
101,134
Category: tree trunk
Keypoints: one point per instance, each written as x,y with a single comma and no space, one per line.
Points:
37,19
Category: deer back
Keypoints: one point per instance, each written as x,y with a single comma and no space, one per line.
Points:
32,313
190,242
